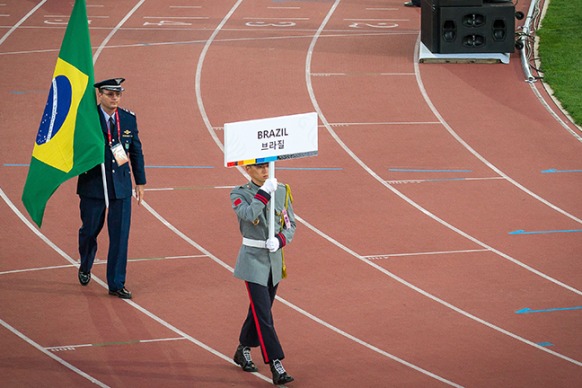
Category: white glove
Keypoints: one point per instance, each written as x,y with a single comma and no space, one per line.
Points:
270,185
273,244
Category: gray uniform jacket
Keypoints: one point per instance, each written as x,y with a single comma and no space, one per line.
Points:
249,203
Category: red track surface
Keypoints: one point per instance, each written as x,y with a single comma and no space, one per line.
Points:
403,271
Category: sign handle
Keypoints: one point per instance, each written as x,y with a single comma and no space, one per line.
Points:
272,203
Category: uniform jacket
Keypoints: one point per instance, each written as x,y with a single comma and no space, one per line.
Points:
119,185
255,264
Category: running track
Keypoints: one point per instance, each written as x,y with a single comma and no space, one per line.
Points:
445,199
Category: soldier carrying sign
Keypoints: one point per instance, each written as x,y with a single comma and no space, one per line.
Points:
260,262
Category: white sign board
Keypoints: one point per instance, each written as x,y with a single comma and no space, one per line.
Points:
271,139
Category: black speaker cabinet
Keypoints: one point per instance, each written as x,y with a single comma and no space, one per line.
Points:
430,25
489,28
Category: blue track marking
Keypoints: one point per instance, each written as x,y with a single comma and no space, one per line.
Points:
430,180
521,231
545,344
423,170
21,92
16,164
527,310
555,171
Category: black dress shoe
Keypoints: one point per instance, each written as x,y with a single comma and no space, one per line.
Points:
84,278
280,376
123,293
242,357
411,4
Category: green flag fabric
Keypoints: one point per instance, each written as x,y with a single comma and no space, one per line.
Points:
69,140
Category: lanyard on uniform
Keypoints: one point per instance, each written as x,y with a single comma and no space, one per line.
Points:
118,129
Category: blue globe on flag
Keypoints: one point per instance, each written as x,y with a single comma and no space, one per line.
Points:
56,110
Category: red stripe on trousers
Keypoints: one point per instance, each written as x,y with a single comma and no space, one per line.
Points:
257,326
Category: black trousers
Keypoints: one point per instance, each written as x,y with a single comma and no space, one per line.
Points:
258,328
118,223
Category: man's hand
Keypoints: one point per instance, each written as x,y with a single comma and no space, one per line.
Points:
270,185
273,244
139,192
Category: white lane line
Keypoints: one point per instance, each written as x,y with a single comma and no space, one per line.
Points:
167,258
179,188
373,174
37,269
51,355
189,42
466,145
68,16
131,302
297,308
258,18
378,20
424,211
212,133
115,29
406,181
434,298
399,123
177,17
556,117
99,262
338,140
356,74
63,348
19,23
104,285
390,255
63,254
94,278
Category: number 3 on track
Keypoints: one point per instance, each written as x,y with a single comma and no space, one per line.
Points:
265,24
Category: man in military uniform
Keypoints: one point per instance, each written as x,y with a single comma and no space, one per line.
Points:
260,264
122,147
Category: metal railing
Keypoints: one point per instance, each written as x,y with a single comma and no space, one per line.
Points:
526,40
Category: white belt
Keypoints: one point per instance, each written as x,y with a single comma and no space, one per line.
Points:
254,243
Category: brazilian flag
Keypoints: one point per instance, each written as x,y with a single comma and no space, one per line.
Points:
69,140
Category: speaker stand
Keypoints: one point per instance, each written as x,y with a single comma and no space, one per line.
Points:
426,56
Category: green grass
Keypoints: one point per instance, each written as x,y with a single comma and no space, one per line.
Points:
560,52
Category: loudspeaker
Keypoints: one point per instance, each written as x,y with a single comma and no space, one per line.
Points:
489,28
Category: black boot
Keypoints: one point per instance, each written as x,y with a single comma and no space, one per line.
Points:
280,376
242,357
84,277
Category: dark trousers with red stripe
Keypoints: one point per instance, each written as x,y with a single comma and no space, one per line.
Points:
259,329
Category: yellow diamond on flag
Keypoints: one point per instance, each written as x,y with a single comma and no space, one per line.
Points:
56,135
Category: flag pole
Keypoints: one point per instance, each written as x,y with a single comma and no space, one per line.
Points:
272,203
104,186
